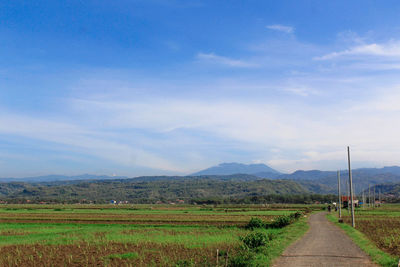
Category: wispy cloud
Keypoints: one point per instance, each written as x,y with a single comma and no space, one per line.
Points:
301,91
289,127
280,28
221,60
290,111
390,49
78,138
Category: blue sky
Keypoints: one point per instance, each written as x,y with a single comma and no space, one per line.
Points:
152,87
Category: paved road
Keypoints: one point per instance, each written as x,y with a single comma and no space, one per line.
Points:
323,245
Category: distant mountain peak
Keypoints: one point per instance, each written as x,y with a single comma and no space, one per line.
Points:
236,168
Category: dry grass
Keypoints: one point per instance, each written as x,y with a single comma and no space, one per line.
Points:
383,231
85,254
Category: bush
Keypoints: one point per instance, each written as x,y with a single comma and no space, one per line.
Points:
281,222
296,215
255,223
185,263
255,240
243,259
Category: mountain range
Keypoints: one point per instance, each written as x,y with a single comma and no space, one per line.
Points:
53,178
324,182
260,170
312,181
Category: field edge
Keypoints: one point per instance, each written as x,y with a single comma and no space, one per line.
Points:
291,234
377,255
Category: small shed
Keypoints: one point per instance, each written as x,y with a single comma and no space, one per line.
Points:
347,199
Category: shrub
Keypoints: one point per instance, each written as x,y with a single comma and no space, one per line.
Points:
307,210
255,223
281,222
243,259
296,215
185,263
255,240
222,253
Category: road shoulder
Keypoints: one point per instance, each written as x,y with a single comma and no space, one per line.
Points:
378,256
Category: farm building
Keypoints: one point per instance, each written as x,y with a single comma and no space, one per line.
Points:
346,200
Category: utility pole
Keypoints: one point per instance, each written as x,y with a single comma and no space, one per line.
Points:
369,195
353,223
380,199
348,195
363,198
374,196
339,195
355,191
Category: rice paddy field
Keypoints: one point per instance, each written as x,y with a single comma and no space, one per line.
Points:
131,235
381,225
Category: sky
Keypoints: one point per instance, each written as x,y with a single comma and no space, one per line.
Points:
151,87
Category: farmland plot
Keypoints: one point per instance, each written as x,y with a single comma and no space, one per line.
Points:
381,225
108,235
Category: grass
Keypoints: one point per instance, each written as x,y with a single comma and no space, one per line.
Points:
129,255
71,233
377,255
23,209
282,239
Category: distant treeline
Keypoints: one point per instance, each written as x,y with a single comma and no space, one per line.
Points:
213,189
147,191
270,199
267,199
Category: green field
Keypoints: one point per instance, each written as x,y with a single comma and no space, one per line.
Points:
139,235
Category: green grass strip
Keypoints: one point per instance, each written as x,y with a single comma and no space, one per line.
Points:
130,255
377,255
277,245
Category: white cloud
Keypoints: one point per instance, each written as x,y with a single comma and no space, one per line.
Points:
388,102
390,49
77,138
215,59
301,136
297,127
281,28
266,115
301,91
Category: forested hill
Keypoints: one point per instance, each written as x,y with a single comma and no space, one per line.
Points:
388,189
149,189
322,182
201,186
326,182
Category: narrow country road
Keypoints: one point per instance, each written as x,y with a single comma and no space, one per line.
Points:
323,245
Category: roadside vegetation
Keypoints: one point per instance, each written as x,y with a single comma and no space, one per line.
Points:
268,240
377,232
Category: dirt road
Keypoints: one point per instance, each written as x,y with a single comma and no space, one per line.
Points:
323,245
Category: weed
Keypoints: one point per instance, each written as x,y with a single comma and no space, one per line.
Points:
243,259
185,263
130,255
